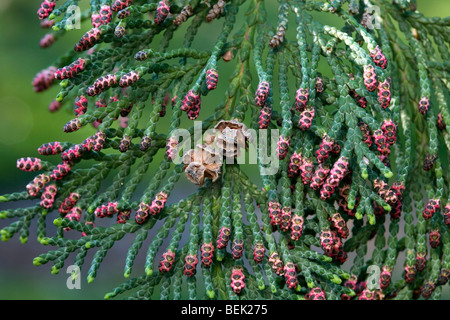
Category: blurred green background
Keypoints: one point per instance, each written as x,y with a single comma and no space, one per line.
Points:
25,123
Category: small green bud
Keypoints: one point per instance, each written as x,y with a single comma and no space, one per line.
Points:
90,279
364,174
388,174
336,280
56,28
60,97
57,222
109,295
5,235
45,241
23,240
37,261
3,199
210,294
350,292
148,271
75,275
273,288
64,83
55,270
351,205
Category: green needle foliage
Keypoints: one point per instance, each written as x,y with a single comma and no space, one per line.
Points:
361,107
